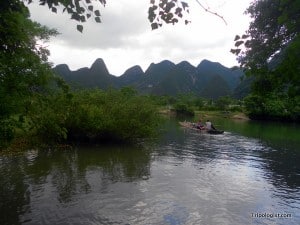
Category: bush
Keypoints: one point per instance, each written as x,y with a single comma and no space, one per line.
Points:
272,107
47,117
95,115
183,109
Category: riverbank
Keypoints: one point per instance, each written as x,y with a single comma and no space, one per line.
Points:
204,114
23,142
223,114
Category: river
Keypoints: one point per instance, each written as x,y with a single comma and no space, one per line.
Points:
248,175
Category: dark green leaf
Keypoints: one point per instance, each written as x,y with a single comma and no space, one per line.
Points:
184,5
97,13
103,2
75,16
79,28
154,26
174,21
237,37
82,19
238,43
97,19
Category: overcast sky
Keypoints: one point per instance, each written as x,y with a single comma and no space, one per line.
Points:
124,38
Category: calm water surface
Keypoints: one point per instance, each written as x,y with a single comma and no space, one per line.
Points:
249,175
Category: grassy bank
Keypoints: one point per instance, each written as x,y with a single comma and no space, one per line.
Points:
224,114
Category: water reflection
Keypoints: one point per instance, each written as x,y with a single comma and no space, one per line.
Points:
185,177
41,178
14,193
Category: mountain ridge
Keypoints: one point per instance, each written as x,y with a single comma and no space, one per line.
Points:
163,78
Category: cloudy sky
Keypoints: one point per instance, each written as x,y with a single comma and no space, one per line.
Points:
124,38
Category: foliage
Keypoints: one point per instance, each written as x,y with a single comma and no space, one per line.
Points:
273,107
199,103
189,103
95,115
159,12
47,116
24,70
224,102
80,10
270,52
167,11
183,109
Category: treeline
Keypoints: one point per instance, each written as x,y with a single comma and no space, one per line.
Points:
271,58
187,104
84,116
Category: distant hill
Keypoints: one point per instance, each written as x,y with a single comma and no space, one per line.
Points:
95,76
153,76
208,79
131,76
215,88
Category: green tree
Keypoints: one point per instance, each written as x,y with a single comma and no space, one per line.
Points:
95,115
269,51
24,69
199,102
223,102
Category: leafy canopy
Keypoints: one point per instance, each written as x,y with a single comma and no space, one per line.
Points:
24,69
269,51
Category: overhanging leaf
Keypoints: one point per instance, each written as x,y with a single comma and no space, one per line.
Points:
79,28
237,37
184,5
154,26
54,9
238,43
97,19
97,13
244,36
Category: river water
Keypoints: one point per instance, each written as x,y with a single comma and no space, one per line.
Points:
249,175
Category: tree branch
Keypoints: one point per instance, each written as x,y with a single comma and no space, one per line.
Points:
211,12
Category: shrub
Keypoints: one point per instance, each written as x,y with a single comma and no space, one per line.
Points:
183,109
95,115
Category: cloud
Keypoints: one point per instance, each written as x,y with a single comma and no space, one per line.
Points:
125,38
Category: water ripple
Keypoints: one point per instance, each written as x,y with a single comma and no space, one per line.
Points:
194,179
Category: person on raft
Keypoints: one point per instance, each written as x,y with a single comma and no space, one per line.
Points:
199,125
209,125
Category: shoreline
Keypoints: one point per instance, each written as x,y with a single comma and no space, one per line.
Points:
208,114
226,114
